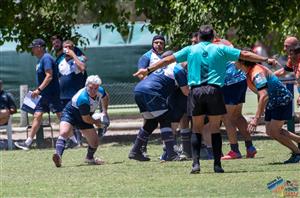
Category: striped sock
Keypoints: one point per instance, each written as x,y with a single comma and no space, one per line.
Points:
60,145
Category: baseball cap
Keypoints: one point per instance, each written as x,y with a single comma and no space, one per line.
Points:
37,43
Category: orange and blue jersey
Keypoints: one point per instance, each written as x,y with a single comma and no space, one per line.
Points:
260,77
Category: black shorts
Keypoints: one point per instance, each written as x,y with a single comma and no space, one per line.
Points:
207,100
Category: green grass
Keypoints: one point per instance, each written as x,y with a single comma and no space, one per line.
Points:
32,174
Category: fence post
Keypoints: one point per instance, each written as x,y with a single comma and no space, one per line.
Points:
291,123
23,92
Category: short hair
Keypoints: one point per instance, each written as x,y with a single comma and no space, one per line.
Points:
247,63
195,34
93,79
206,33
56,37
69,42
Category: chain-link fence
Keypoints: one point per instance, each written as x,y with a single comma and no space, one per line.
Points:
121,94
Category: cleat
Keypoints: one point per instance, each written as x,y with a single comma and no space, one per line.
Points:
231,155
175,157
218,169
138,157
94,161
195,169
184,156
57,160
295,158
22,145
251,152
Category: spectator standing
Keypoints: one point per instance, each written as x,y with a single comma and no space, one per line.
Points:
47,87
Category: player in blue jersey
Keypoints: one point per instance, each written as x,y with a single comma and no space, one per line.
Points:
78,113
234,91
47,87
72,70
64,57
206,74
149,58
151,96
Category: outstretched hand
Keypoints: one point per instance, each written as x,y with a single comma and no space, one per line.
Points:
274,62
141,73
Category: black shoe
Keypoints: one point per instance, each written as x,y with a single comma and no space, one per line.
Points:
218,169
138,156
295,158
195,169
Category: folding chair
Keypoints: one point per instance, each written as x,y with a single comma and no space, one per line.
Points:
9,133
43,124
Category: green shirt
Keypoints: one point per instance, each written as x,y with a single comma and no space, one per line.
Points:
207,62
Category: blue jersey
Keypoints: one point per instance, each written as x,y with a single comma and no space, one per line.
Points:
207,62
46,62
163,82
233,75
71,79
84,103
149,58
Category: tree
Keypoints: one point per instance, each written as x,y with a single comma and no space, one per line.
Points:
252,19
24,20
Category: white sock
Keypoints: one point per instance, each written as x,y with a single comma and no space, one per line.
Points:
28,141
73,138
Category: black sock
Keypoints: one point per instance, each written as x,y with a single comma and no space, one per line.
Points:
141,140
196,146
235,147
168,138
90,152
248,143
186,141
216,140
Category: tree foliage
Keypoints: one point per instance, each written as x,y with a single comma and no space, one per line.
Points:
24,20
268,20
253,20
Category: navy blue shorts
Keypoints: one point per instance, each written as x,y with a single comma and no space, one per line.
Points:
71,115
236,93
207,100
279,113
178,105
47,104
151,106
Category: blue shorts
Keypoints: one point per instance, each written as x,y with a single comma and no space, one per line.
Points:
64,102
151,106
178,105
279,113
49,103
235,94
72,115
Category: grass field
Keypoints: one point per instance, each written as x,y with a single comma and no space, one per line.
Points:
32,174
